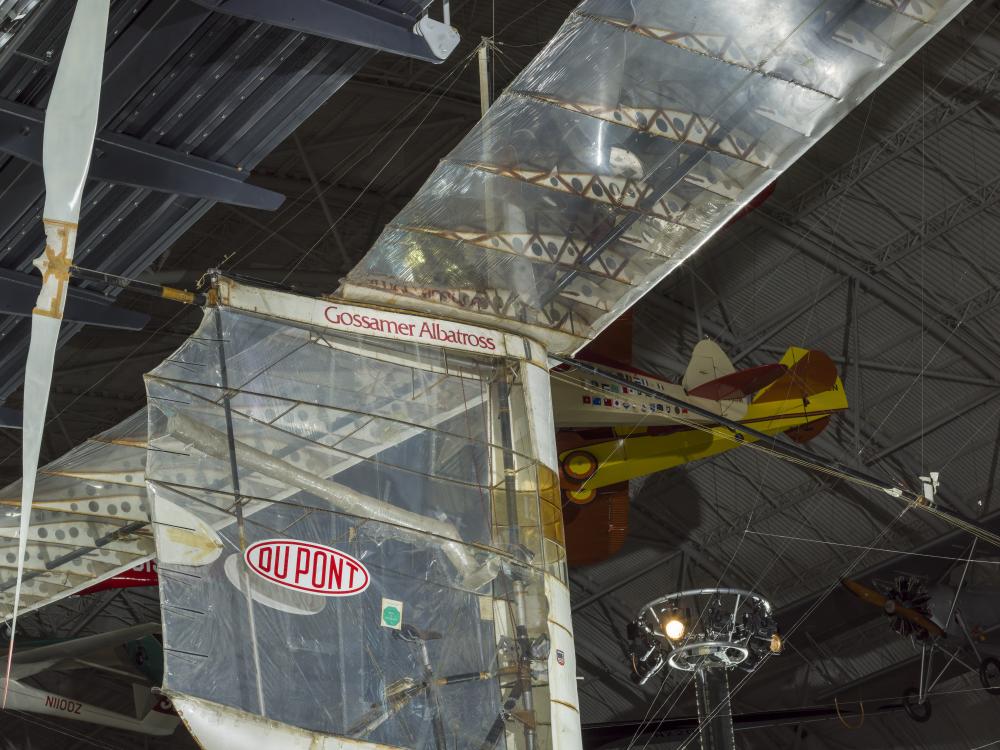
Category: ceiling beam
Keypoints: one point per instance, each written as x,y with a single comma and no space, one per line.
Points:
447,99
624,581
299,189
925,123
894,369
349,136
19,295
834,254
946,417
922,558
959,211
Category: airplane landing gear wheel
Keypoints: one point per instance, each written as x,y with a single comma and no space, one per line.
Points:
914,709
989,674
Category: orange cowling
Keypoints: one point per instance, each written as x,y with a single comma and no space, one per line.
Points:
597,530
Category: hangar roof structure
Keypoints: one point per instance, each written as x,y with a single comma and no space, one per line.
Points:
876,247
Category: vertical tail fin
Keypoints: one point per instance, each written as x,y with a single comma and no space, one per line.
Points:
810,372
708,362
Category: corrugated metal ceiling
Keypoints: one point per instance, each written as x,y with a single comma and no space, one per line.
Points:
371,146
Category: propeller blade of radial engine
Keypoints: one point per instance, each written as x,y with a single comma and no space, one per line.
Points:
68,141
864,593
873,597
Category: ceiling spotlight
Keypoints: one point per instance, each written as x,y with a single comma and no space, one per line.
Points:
777,644
674,629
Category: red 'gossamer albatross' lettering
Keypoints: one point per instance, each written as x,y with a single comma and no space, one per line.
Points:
305,566
394,326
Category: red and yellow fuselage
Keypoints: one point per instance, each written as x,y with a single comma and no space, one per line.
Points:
609,433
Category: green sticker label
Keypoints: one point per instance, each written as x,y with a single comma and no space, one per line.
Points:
392,614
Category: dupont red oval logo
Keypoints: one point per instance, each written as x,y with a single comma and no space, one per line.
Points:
305,566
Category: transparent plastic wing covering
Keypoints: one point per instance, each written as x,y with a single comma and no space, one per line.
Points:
637,133
89,520
429,466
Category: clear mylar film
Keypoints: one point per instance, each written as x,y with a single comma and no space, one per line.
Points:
640,130
414,460
423,464
89,520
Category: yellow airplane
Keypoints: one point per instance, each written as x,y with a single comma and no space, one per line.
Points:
607,433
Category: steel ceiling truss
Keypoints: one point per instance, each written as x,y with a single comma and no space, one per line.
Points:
125,160
873,278
914,131
934,229
946,324
359,22
191,139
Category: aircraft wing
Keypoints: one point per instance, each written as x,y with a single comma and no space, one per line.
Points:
639,131
78,648
89,520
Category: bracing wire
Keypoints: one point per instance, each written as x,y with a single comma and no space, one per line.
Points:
439,88
829,543
135,350
725,433
457,70
728,434
795,626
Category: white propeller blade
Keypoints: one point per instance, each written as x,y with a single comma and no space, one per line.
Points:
70,126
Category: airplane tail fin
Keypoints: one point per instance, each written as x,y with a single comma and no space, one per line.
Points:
808,389
708,363
156,713
810,372
711,375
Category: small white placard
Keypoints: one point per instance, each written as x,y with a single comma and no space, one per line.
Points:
392,614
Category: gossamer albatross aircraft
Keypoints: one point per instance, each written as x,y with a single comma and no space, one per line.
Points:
354,501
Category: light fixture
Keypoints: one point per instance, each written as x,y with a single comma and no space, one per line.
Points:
777,644
674,628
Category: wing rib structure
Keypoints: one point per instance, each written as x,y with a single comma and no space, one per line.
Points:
639,131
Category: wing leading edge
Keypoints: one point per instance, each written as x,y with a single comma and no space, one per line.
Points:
637,133
89,520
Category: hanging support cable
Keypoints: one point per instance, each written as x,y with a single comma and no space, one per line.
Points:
239,501
791,452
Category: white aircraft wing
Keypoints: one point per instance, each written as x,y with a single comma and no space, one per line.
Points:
89,520
159,721
78,648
